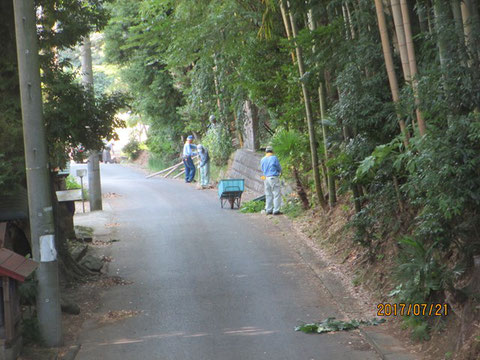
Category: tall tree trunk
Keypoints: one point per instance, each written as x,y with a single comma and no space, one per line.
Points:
217,87
412,63
402,42
387,53
441,17
350,22
94,182
422,19
302,194
332,196
346,23
356,198
286,24
467,21
308,110
329,179
471,23
457,16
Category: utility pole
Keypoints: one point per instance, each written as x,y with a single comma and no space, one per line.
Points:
94,184
37,170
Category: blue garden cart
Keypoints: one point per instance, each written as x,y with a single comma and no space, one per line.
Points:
230,190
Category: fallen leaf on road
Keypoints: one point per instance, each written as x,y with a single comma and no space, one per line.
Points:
111,281
111,195
102,243
112,225
332,325
113,316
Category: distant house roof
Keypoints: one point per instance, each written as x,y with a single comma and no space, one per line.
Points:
15,266
14,206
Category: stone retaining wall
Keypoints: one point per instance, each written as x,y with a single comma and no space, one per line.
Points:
246,165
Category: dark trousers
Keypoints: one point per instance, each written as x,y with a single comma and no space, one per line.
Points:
189,169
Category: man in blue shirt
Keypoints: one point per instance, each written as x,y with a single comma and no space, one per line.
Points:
188,152
271,170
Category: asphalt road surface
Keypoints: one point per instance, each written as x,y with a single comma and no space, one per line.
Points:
208,283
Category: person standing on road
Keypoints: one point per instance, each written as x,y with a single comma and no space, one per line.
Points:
107,155
204,166
188,152
271,170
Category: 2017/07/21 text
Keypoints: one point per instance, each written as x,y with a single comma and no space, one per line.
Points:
401,309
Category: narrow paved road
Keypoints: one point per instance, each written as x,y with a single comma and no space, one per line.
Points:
210,284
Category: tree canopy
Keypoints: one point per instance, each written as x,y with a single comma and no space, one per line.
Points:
72,115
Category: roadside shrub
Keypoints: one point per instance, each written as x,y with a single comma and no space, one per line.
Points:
292,208
292,149
252,206
157,162
219,144
132,149
71,183
161,145
420,272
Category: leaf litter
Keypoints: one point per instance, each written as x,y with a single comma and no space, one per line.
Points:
331,325
117,315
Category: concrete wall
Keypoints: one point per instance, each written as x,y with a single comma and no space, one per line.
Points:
246,165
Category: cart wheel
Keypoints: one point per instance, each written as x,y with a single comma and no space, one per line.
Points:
221,203
232,202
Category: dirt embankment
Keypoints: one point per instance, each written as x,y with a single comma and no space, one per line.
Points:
369,276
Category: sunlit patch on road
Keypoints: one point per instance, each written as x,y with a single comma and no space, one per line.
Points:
248,331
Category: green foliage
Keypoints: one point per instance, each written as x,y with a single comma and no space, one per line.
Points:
27,291
83,231
420,272
420,329
219,144
68,109
132,149
218,173
31,331
292,150
448,189
71,183
74,116
162,145
157,163
292,208
385,152
252,207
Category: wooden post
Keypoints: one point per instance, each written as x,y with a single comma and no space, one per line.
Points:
7,309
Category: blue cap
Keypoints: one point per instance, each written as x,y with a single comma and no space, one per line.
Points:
190,137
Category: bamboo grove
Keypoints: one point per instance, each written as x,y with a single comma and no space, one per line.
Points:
375,101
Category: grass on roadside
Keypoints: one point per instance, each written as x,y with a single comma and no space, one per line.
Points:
252,207
157,163
217,173
292,208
